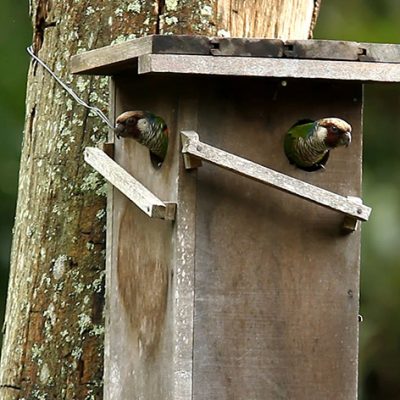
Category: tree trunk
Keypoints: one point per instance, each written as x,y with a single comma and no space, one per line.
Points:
53,342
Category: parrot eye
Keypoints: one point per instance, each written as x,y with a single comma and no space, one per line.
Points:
334,129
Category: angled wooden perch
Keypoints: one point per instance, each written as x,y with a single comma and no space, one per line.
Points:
194,151
128,185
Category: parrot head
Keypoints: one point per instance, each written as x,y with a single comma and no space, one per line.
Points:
131,124
146,128
334,132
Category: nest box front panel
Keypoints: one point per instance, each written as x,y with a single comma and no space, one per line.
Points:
139,292
276,280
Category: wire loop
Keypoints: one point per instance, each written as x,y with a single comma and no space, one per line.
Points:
95,110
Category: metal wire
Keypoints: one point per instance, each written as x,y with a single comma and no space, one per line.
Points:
96,110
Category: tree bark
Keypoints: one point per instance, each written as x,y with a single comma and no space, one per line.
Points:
282,19
53,341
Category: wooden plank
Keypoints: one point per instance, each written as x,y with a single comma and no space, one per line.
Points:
322,49
128,185
379,52
181,44
276,280
184,283
342,50
108,148
249,169
152,292
111,59
247,47
269,67
115,58
110,259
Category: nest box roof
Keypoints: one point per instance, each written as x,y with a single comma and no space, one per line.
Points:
183,54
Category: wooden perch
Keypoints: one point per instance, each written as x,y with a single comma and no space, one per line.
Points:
128,185
193,148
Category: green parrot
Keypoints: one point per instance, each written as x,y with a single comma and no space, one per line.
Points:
145,127
307,143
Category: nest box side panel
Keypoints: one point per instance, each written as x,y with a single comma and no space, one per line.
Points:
276,280
139,330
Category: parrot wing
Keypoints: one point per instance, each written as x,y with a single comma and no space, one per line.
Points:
299,129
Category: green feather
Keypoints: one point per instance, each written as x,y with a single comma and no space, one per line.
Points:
156,137
310,159
294,133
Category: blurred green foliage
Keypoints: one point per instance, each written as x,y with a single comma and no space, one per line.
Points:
376,21
360,20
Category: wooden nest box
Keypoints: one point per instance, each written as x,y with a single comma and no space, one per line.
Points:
219,285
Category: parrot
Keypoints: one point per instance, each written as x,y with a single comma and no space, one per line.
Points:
146,128
307,143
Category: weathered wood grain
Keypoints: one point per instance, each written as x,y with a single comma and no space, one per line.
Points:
342,50
276,280
248,283
269,67
193,146
379,52
116,58
121,55
322,49
128,185
180,44
151,294
108,148
249,47
184,284
110,258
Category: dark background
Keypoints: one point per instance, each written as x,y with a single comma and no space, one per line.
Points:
359,20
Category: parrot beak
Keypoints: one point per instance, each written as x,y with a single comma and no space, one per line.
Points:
119,130
346,138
